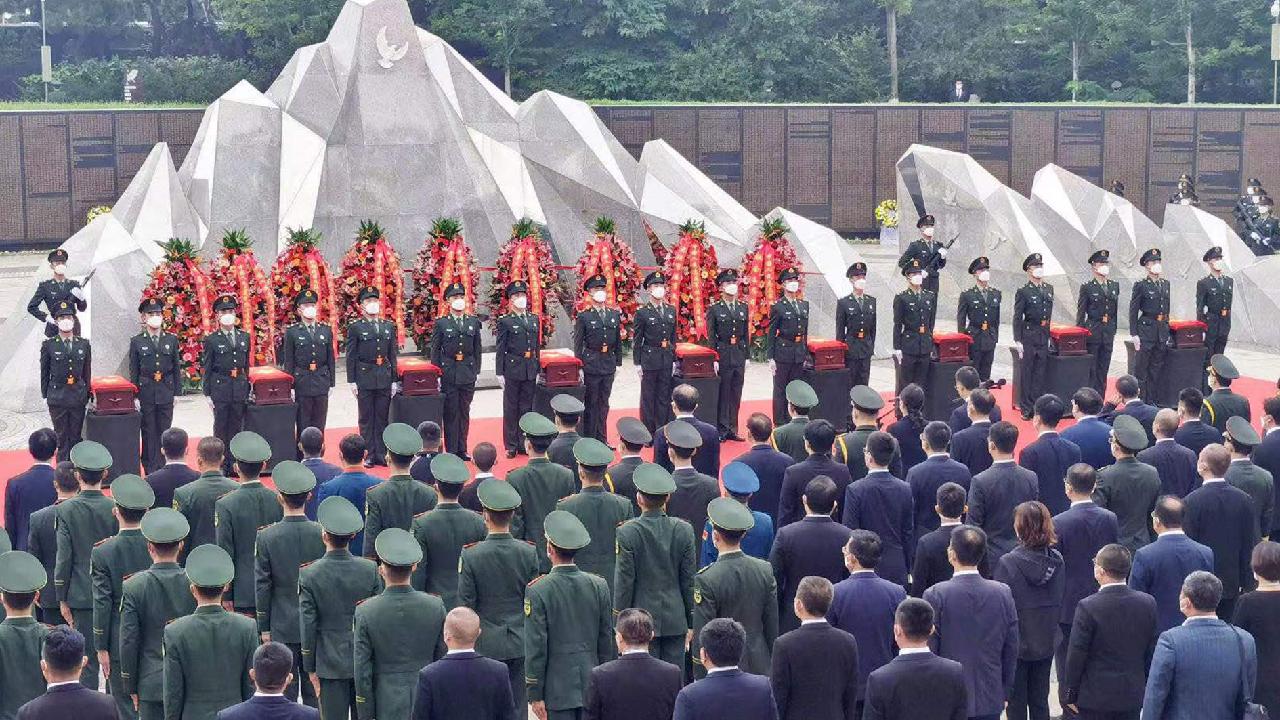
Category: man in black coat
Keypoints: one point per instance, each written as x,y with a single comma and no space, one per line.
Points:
969,446
819,436
937,470
1267,454
809,546
1083,530
271,674
1224,518
916,685
1128,402
636,686
726,693
881,503
815,667
62,659
931,564
1194,434
1050,454
1175,462
633,436
175,472
770,465
967,381
995,492
463,685
684,401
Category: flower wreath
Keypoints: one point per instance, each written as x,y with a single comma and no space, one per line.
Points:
183,286
691,270
606,255
371,262
445,258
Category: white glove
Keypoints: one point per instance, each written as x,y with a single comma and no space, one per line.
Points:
1137,344
897,355
715,366
1018,346
77,293
942,253
50,321
355,391
137,405
639,372
675,368
582,377
1255,235
502,381
773,367
395,388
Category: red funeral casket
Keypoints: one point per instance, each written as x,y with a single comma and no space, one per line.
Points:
418,376
696,361
271,385
559,368
827,354
1187,333
113,394
1068,340
951,347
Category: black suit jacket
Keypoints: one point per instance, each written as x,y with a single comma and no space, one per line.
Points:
638,686
165,480
70,701
1112,641
969,446
1224,518
797,477
275,707
815,674
1196,434
464,686
1267,455
808,547
931,564
770,466
1176,464
727,695
705,461
993,495
918,686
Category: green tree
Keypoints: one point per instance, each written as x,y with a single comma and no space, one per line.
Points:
502,27
892,9
275,29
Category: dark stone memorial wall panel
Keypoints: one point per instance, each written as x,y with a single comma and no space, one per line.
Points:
808,170
1033,139
853,146
93,161
13,220
943,128
178,128
1261,141
1219,146
990,141
1079,143
46,174
633,127
764,159
720,147
136,134
896,130
1172,150
1124,155
679,127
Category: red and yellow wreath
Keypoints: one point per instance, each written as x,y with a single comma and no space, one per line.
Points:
771,255
606,255
371,262
444,259
182,284
691,269
302,267
526,256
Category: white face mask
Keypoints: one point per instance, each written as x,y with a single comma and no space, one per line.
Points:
730,288
916,278
658,291
1184,201
66,324
1103,270
372,307
458,304
59,269
927,231
860,283
520,301
155,321
1156,268
1218,265
227,319
309,312
984,275
791,286
598,295
1037,272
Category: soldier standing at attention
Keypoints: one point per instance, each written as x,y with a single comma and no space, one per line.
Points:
281,549
226,367
1032,311
787,344
371,370
55,291
329,590
112,561
736,586
65,371
1214,293
386,664
566,409
598,344
913,313
197,499
455,349
81,522
21,637
238,515
155,367
789,438
149,601
856,325
207,654
600,511
517,363
654,352
307,355
492,575
394,502
656,561
1149,327
541,483
444,531
729,333
978,317
929,252
568,625
1096,312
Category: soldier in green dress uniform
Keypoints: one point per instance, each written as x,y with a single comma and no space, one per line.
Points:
1223,403
787,343
65,371
856,325
568,625
653,351
541,483
394,502
442,532
1032,313
517,363
492,575
208,654
849,447
155,366
597,342
914,312
80,523
566,410
789,437
54,291
1214,294
1129,487
1240,438
1149,327
978,316
728,333
225,359
149,601
736,586
21,637
112,562
307,354
197,499
238,515
397,633
600,511
281,550
1096,311
329,590
656,561
372,346
455,349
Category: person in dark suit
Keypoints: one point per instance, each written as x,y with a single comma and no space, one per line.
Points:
916,685
769,464
819,436
1082,531
995,492
175,472
969,446
1050,454
863,604
881,503
1194,433
1113,638
311,445
1129,402
636,686
726,693
31,489
938,470
271,673
1223,517
1160,568
810,547
1175,463
61,660
684,400
959,93
910,424
967,380
463,685
1267,454
432,439
815,666
1240,438
931,565
1090,433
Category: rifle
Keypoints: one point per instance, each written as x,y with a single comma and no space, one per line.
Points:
930,261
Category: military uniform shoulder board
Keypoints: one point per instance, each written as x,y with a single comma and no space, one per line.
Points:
703,569
102,542
531,544
264,527
531,582
306,564
421,514
361,602
126,576
471,544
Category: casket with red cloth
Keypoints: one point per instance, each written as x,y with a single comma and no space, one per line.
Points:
951,347
113,394
559,368
696,361
1187,333
1068,340
271,385
827,354
418,376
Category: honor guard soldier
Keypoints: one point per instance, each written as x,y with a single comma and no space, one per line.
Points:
654,352
208,654
1214,294
1223,403
1116,188
598,344
281,550
978,316
238,515
329,590
914,310
197,499
1264,236
789,438
541,483
81,522
856,325
931,254
600,511
307,355
226,373
788,341
517,363
1096,311
112,562
567,409
65,370
444,530
21,636
568,624
394,502
728,331
656,561
54,292
398,632
619,478
371,370
1149,326
155,367
736,586
455,349
149,601
1032,311
492,575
